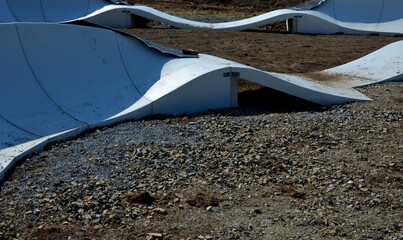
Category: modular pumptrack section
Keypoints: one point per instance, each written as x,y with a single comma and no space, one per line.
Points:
384,17
58,80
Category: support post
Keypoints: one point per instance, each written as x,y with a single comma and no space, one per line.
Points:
234,92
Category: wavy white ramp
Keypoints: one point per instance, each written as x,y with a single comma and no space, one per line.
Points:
58,80
383,17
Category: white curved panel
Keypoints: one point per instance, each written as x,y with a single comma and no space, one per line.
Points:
391,19
94,5
257,21
111,16
100,77
361,11
26,10
315,24
191,85
58,11
327,8
353,16
22,101
200,94
10,156
58,54
333,16
135,55
11,135
5,13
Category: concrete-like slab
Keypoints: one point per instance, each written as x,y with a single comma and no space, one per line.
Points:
58,80
327,17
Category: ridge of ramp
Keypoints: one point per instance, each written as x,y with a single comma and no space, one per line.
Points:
317,17
112,77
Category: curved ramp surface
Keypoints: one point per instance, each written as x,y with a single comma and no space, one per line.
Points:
319,17
58,80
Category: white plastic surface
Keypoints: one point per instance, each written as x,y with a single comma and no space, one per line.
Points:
134,55
5,13
72,63
22,99
391,18
11,135
25,10
57,11
361,11
59,80
333,16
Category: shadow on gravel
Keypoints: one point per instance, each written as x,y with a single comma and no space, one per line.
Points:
256,102
142,198
266,100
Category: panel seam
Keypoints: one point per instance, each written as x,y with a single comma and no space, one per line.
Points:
127,71
11,11
43,13
20,128
37,81
380,15
88,8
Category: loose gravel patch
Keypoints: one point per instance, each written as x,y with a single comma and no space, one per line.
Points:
331,172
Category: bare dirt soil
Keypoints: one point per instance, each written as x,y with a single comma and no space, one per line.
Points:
286,170
270,51
274,52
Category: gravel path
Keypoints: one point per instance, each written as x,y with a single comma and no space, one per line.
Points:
254,174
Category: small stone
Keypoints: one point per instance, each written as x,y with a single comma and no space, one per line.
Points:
133,215
161,211
96,227
155,235
37,212
209,208
79,205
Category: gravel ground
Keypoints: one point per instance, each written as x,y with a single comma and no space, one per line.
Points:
322,172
